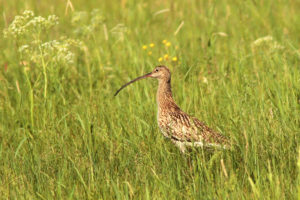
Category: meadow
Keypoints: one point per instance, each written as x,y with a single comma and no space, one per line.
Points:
63,135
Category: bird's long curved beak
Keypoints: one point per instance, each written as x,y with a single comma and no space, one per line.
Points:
138,78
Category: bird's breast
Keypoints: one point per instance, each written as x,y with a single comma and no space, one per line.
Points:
162,123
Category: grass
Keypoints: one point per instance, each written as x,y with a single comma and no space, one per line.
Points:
64,136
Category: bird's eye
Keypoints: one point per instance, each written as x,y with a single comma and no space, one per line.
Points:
156,70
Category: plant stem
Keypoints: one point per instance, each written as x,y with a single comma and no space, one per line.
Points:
44,73
30,98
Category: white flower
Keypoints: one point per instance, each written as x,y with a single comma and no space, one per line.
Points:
23,48
267,41
28,14
27,23
261,40
37,50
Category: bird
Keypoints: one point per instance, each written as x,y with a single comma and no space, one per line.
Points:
182,129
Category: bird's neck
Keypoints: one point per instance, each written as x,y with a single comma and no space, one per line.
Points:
164,95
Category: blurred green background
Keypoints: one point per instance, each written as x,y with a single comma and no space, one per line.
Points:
63,135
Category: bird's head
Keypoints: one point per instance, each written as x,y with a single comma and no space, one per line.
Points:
162,73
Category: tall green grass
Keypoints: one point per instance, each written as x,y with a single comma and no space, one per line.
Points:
238,70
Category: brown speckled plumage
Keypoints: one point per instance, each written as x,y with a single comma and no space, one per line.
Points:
182,129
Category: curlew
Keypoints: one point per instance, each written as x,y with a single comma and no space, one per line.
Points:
182,129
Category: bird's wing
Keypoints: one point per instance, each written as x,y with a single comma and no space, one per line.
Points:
209,135
181,127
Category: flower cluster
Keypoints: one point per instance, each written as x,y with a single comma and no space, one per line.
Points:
169,54
86,23
33,48
267,41
52,51
28,23
119,31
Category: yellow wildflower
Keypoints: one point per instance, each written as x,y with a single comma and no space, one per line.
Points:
166,56
150,53
144,47
151,45
174,59
164,41
168,44
160,59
